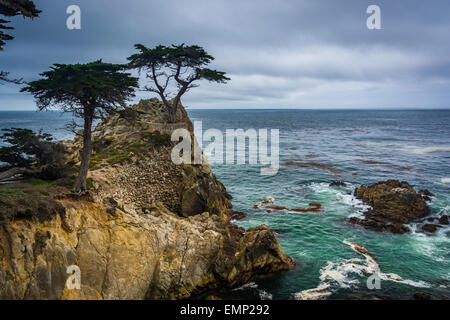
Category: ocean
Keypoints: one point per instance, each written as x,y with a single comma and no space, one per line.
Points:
355,146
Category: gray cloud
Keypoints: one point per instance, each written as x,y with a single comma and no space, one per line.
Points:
295,53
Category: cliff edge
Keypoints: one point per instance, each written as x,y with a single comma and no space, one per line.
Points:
148,229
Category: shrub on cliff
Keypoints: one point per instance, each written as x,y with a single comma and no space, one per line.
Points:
183,64
88,91
32,153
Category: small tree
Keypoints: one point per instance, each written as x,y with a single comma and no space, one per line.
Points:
11,8
25,147
183,64
30,153
89,91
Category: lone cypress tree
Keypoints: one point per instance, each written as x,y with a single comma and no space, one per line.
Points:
184,64
11,8
89,91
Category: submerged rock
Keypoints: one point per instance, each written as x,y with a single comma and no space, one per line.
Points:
338,184
237,215
314,165
421,296
443,220
430,228
313,207
267,200
269,207
393,204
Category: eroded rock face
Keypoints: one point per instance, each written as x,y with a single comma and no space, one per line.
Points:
393,203
148,229
155,256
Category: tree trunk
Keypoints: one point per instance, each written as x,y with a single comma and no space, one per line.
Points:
80,185
13,171
173,114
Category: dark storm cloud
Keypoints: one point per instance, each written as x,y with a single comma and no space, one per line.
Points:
278,53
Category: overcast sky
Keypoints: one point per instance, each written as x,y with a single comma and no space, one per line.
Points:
278,53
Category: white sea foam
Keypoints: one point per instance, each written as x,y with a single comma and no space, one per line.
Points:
339,274
250,285
352,201
374,268
445,180
264,295
320,187
409,148
319,293
425,150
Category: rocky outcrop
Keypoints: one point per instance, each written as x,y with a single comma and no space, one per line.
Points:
268,206
128,256
237,215
393,204
430,228
338,184
147,230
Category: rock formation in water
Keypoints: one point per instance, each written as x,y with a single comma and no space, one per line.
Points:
268,206
148,229
393,204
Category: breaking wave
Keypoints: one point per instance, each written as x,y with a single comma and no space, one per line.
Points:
425,150
352,201
336,275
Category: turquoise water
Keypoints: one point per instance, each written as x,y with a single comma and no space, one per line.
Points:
405,145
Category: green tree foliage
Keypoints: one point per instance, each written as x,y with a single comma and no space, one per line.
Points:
180,64
26,149
88,91
11,8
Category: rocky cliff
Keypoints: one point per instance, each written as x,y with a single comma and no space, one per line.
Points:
148,229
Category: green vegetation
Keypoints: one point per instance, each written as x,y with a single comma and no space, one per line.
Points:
157,140
12,8
89,91
90,182
26,147
41,183
31,153
184,64
7,192
107,151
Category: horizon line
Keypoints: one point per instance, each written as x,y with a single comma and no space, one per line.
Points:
282,108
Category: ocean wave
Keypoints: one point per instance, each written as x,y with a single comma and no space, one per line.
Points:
338,274
264,295
445,180
320,187
352,201
252,286
425,150
409,148
247,286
